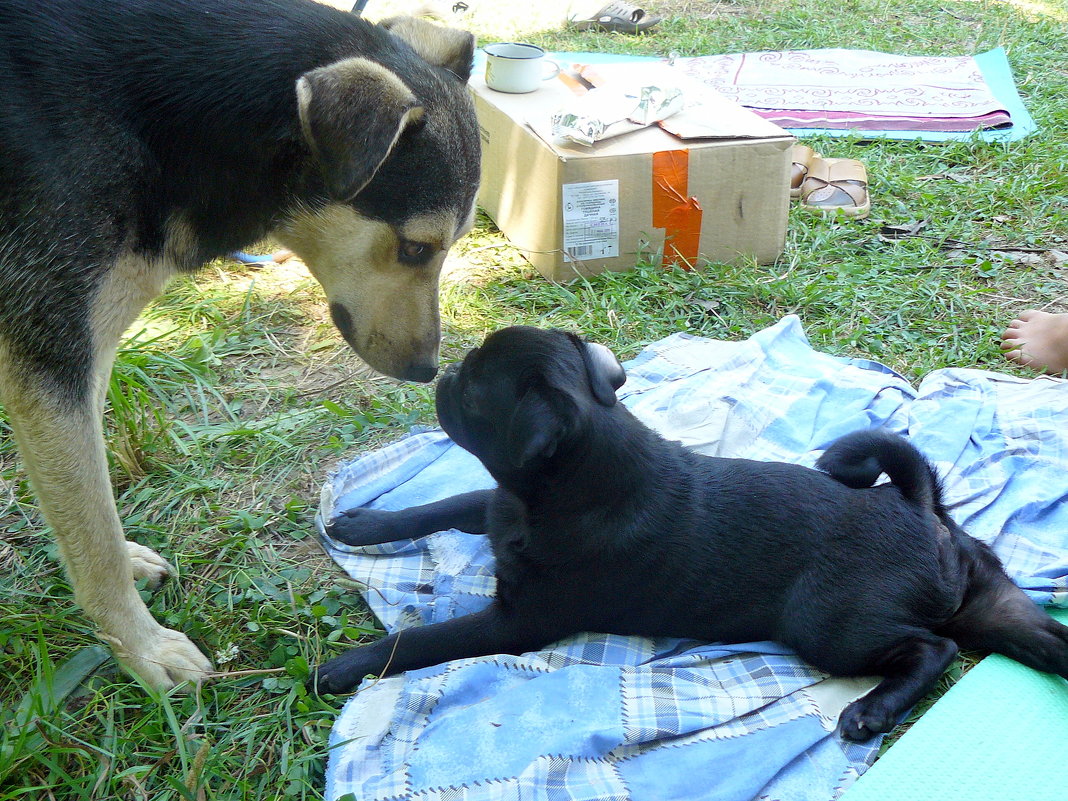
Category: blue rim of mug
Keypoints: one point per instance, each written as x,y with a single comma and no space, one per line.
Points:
538,51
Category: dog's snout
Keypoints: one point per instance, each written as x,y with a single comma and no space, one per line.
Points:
343,320
408,361
422,373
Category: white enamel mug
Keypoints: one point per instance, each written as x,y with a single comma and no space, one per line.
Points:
517,68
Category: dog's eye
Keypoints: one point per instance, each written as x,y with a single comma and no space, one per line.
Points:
412,252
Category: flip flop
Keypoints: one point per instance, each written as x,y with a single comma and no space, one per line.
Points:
836,187
802,157
278,257
618,17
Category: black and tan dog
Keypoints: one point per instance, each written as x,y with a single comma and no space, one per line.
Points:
140,138
599,524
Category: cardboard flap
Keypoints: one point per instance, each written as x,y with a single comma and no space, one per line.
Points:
708,117
707,113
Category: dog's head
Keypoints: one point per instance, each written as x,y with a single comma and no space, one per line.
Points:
394,141
524,395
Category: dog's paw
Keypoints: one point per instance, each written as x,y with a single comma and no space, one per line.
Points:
147,564
362,526
340,674
164,660
864,718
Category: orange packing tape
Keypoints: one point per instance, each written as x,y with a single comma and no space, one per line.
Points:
573,83
674,209
682,234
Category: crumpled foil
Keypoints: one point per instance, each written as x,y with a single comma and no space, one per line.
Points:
606,112
656,103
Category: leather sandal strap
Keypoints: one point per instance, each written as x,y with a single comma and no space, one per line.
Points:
848,176
833,170
856,192
802,154
847,170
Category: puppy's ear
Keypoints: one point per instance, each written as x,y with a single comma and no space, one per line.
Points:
603,369
443,47
535,429
352,112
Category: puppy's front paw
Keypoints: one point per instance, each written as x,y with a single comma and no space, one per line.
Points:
147,564
163,660
865,718
340,674
362,526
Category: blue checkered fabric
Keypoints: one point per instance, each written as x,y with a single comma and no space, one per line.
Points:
606,717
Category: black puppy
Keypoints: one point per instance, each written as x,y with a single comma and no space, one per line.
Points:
599,524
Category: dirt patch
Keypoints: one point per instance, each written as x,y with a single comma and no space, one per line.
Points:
695,9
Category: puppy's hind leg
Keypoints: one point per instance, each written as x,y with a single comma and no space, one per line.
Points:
909,670
998,616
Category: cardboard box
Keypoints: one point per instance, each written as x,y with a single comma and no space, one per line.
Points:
576,211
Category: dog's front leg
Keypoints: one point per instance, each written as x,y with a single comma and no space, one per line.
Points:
61,442
361,526
483,633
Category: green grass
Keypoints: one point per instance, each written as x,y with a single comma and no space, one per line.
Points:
231,406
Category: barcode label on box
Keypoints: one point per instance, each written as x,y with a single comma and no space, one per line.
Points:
591,219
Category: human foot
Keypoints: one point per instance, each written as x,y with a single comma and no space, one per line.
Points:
1039,340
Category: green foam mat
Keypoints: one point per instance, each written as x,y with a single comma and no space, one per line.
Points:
1000,733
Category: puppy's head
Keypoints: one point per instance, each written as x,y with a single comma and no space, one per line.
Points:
394,163
526,394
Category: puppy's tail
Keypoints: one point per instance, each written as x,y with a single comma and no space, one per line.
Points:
859,458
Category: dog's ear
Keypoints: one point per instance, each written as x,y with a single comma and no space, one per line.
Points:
535,429
603,370
352,112
443,47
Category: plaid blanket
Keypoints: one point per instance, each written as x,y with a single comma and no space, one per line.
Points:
606,717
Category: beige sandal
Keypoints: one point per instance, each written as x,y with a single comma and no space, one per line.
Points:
836,186
801,156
